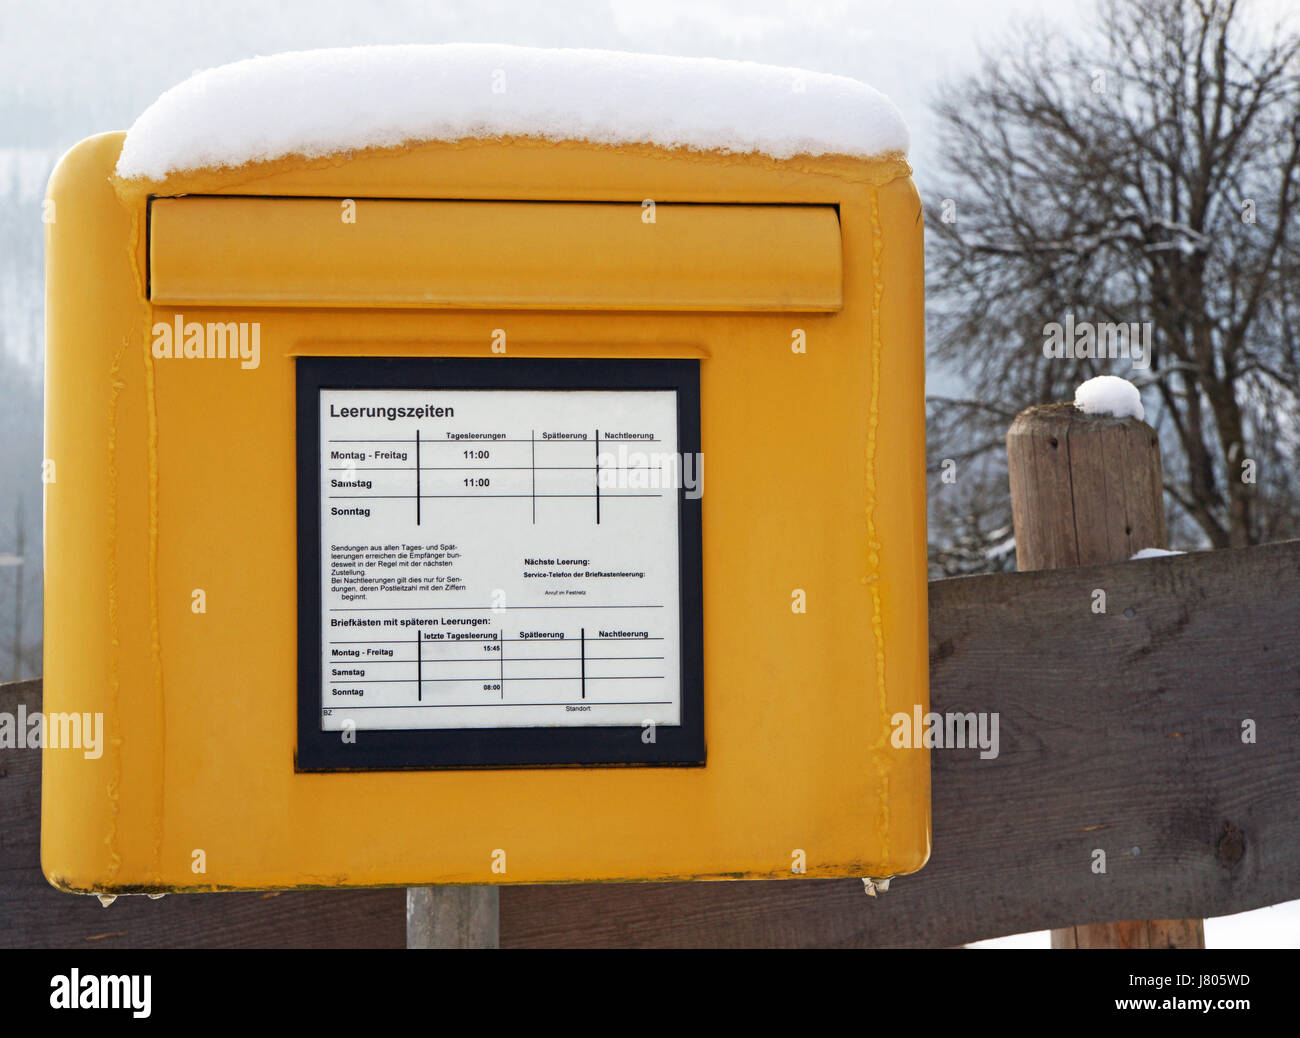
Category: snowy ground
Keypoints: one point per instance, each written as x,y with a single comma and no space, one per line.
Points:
1275,927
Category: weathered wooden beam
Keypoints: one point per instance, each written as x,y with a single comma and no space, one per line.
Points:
1116,731
1120,732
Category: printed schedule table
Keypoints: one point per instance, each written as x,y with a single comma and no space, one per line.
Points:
499,558
544,465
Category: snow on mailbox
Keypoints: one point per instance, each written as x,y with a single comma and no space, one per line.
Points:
482,464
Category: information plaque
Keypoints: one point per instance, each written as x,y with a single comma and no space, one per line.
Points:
499,563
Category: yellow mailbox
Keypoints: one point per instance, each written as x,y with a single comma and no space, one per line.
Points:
474,465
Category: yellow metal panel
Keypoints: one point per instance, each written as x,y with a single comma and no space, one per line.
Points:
175,474
493,255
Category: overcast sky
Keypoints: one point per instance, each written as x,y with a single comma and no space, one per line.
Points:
75,68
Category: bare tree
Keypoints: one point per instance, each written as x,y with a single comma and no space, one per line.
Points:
969,508
1148,175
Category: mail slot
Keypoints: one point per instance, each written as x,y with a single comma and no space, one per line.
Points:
493,255
483,506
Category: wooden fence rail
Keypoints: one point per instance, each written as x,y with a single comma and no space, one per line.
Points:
1119,731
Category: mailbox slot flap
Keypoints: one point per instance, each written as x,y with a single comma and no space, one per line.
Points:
334,252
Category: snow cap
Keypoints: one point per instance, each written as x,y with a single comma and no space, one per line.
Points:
1109,395
324,102
1153,553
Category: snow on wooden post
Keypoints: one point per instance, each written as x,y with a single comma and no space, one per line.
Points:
453,917
1087,489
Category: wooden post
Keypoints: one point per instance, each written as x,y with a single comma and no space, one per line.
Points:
1088,490
453,917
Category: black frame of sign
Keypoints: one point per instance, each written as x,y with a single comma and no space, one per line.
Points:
576,746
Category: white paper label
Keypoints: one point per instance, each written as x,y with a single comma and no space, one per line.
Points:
499,558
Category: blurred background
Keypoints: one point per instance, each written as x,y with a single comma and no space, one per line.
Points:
1118,160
